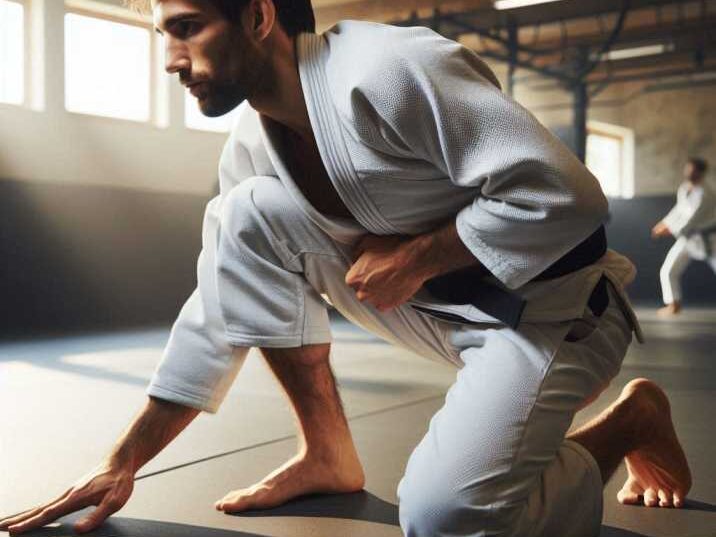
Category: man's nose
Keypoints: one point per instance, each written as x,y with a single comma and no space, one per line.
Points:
176,58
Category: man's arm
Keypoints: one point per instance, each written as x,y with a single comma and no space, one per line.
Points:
110,484
389,270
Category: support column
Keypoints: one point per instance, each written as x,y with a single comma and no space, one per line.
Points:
581,103
512,43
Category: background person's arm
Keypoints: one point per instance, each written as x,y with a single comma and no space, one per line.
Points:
110,484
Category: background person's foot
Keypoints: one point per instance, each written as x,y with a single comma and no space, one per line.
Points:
299,476
659,474
669,310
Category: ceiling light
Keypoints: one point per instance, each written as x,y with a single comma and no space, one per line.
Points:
512,4
636,52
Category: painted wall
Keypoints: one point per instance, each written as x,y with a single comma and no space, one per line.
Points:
94,257
55,146
100,219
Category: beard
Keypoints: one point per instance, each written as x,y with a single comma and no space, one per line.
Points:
221,98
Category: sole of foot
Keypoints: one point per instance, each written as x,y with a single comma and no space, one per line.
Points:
659,473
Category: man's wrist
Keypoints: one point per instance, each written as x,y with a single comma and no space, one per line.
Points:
124,459
440,251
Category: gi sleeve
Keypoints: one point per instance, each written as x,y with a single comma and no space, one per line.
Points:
198,365
439,102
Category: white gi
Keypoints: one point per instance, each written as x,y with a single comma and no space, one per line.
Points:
413,130
693,222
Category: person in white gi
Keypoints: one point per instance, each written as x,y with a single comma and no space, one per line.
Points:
384,169
692,222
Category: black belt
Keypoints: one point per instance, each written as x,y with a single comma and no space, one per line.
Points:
705,237
469,286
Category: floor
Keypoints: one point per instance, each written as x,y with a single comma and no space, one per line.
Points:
65,400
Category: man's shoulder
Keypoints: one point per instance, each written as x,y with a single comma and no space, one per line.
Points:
376,46
369,58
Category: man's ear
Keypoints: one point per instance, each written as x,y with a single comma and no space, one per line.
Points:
263,17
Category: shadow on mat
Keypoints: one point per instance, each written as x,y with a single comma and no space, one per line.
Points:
355,506
367,507
693,505
132,527
609,531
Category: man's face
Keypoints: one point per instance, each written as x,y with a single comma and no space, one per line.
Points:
691,173
209,53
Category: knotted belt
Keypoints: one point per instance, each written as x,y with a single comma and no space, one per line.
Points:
469,286
705,237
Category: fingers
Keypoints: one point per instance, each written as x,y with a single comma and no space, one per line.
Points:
47,515
105,509
8,521
12,520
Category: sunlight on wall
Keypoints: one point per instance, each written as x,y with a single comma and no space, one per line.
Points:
610,157
107,68
604,156
11,52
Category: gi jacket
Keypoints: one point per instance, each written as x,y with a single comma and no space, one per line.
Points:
694,217
413,130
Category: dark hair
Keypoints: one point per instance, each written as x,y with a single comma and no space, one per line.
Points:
295,16
699,164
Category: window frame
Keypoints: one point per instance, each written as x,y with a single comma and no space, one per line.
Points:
625,136
111,13
26,54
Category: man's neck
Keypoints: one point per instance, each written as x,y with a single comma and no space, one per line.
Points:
284,101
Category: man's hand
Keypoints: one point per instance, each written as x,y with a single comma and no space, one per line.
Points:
106,487
110,485
389,270
660,230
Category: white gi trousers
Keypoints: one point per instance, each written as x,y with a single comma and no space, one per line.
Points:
494,460
677,260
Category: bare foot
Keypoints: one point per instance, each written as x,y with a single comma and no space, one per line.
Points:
669,310
303,474
659,474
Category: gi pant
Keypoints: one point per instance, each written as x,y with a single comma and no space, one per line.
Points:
676,262
494,460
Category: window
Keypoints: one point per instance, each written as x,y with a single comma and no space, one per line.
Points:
194,119
107,68
12,52
610,157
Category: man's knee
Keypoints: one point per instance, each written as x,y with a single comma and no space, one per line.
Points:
251,204
432,504
665,272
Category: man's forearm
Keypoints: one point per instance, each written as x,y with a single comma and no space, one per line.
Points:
442,251
157,424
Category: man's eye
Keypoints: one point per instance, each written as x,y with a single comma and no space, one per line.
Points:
186,29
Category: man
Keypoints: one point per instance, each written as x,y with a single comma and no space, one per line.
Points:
692,222
383,168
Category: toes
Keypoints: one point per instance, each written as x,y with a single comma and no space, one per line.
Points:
650,498
630,492
243,500
232,502
627,497
664,498
678,499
